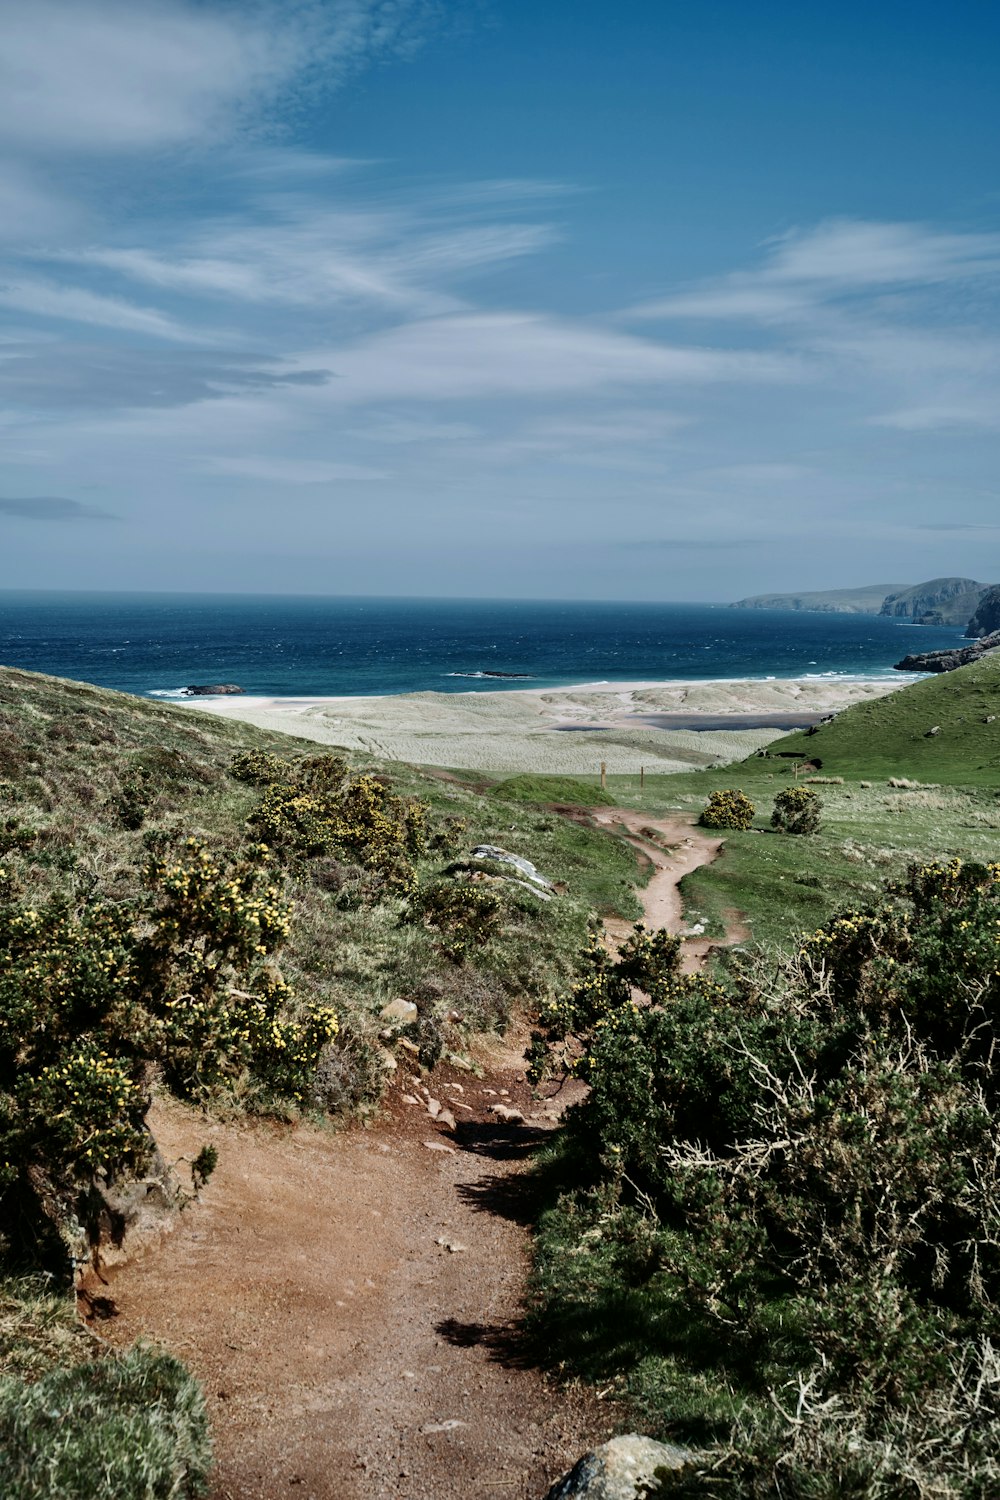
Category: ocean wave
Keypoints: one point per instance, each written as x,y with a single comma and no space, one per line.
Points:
505,676
168,693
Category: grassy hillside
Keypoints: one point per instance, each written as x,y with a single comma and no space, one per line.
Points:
237,932
192,903
892,736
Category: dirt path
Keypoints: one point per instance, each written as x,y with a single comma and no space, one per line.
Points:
350,1301
674,846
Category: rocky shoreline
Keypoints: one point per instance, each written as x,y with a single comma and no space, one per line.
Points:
948,661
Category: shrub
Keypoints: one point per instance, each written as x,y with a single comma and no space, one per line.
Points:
603,994
258,767
125,1425
90,1001
728,808
466,913
813,1154
796,810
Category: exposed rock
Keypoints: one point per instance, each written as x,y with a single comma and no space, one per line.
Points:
439,1146
503,857
212,690
623,1469
940,601
947,661
986,619
533,890
506,1114
403,1012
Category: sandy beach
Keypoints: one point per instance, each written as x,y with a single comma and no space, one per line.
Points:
556,730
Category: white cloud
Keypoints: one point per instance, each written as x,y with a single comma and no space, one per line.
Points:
839,257
849,252
521,354
120,76
74,304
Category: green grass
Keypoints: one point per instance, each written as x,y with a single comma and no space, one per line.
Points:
78,1422
889,736
570,791
118,1427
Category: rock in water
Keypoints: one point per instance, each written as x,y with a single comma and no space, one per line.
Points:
949,660
623,1469
209,690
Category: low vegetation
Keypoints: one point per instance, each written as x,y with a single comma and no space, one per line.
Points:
194,905
773,1221
788,1179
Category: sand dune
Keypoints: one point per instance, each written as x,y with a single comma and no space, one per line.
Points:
519,730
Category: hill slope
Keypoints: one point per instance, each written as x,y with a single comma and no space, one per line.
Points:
867,600
939,601
892,735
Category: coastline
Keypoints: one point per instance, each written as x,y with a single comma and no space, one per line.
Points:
523,729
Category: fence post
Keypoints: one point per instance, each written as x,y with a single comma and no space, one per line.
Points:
604,776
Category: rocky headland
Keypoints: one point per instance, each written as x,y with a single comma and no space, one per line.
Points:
947,661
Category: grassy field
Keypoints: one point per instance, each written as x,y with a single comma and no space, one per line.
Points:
945,803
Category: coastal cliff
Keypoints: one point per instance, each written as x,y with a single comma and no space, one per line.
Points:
987,616
941,601
867,600
948,661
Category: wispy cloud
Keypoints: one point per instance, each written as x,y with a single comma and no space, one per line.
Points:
291,470
73,304
908,308
52,508
522,355
835,259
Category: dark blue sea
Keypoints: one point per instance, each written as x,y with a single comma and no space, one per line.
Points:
157,644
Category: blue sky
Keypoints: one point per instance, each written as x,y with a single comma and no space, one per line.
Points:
556,299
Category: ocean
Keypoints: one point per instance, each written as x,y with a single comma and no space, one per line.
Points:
157,644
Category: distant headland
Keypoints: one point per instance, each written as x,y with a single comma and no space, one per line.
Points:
939,601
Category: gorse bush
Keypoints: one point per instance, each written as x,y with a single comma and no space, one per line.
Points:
466,913
796,810
813,1159
93,998
316,807
728,808
603,995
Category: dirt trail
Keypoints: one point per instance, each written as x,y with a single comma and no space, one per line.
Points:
351,1300
674,846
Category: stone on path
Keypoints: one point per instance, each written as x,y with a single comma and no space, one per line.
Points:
623,1469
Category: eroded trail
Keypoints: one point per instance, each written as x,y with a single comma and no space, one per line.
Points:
674,846
350,1301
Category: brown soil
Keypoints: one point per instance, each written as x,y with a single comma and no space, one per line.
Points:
351,1301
